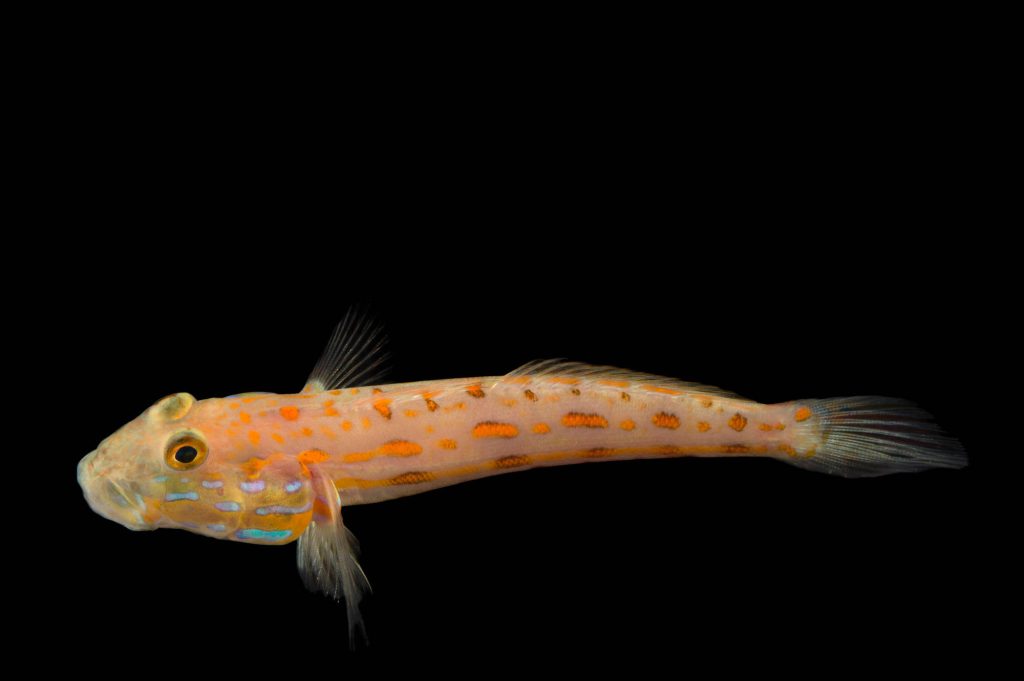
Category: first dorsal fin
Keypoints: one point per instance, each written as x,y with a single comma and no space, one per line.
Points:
354,356
567,369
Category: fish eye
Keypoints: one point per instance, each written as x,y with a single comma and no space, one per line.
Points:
185,452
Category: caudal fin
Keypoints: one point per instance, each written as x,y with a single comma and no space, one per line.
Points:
859,437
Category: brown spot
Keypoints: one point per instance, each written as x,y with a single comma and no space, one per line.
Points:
625,397
400,448
598,452
512,462
431,404
447,443
541,428
765,427
786,449
628,424
382,407
703,426
577,420
735,449
530,395
738,422
665,420
780,426
412,478
707,404
575,391
802,414
475,391
493,429
376,391
289,413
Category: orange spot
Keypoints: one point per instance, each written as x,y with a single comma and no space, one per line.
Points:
786,449
346,425
277,438
512,461
308,432
358,457
353,391
658,389
765,427
738,422
253,466
377,391
475,391
429,429
328,403
802,414
447,444
615,384
541,428
335,392
431,404
665,420
530,395
366,422
493,429
412,478
456,406
703,426
521,380
313,456
576,420
289,413
566,381
382,407
254,437
627,424
248,400
780,426
411,413
328,432
244,417
400,448
509,403
235,405
330,411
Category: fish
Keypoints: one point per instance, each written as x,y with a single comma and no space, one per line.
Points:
272,469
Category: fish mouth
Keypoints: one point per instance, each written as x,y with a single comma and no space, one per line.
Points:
108,498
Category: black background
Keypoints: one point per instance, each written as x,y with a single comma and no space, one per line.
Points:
779,237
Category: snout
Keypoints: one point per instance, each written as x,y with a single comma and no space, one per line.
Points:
106,496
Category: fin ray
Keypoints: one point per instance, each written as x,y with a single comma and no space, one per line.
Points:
354,356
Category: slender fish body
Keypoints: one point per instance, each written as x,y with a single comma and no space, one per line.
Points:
271,469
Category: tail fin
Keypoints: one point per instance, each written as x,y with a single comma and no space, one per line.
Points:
860,437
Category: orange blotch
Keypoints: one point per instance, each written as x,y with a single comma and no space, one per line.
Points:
475,391
541,428
253,466
277,438
566,381
447,443
703,426
346,425
254,437
366,423
521,380
431,404
628,424
780,426
289,413
244,417
411,413
615,384
767,427
577,420
455,407
802,414
429,429
330,411
328,432
738,422
235,405
786,449
493,429
665,420
399,448
382,407
248,400
358,457
335,392
509,402
658,389
308,432
313,456
353,391
328,403
512,461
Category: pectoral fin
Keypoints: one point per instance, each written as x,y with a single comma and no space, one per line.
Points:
327,555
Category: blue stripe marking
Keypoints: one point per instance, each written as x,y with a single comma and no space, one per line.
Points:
262,534
293,486
179,496
229,506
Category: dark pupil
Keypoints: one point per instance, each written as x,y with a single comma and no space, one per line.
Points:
186,454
